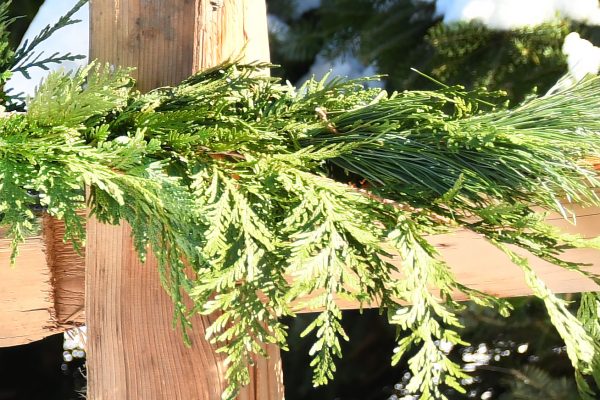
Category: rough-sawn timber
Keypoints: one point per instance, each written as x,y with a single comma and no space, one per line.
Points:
43,293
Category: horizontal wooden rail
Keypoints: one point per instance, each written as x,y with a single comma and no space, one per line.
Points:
43,293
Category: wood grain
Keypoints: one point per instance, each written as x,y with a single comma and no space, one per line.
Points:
240,28
42,294
26,303
38,300
67,267
166,41
133,352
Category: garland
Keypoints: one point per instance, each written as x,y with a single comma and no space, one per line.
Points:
272,193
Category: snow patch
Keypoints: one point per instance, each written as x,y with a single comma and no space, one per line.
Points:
345,65
512,14
583,57
302,6
277,27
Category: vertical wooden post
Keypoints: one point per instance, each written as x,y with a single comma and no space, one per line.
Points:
168,40
133,352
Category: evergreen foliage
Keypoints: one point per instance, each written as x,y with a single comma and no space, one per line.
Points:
533,382
271,193
6,52
246,180
24,11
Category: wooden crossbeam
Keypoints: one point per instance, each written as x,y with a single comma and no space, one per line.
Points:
43,293
40,298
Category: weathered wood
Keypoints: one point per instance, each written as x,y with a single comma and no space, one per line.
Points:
168,40
67,267
26,303
40,297
42,294
133,351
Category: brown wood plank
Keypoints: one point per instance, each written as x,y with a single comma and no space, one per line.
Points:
42,294
29,312
133,352
26,300
478,264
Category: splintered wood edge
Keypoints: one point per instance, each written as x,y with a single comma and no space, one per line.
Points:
43,293
68,274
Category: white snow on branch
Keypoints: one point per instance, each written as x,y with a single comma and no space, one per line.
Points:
277,27
512,14
302,6
582,56
347,66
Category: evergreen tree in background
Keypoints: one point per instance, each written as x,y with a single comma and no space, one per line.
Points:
397,35
23,12
6,51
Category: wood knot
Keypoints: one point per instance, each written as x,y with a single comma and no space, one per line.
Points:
216,4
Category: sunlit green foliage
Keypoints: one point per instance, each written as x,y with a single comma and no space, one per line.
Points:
271,193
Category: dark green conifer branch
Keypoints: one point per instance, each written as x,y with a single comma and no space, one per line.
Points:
27,57
6,52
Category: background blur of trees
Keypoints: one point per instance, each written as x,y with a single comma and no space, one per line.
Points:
521,357
395,35
518,358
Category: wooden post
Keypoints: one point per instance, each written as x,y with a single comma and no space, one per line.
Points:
166,41
133,351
